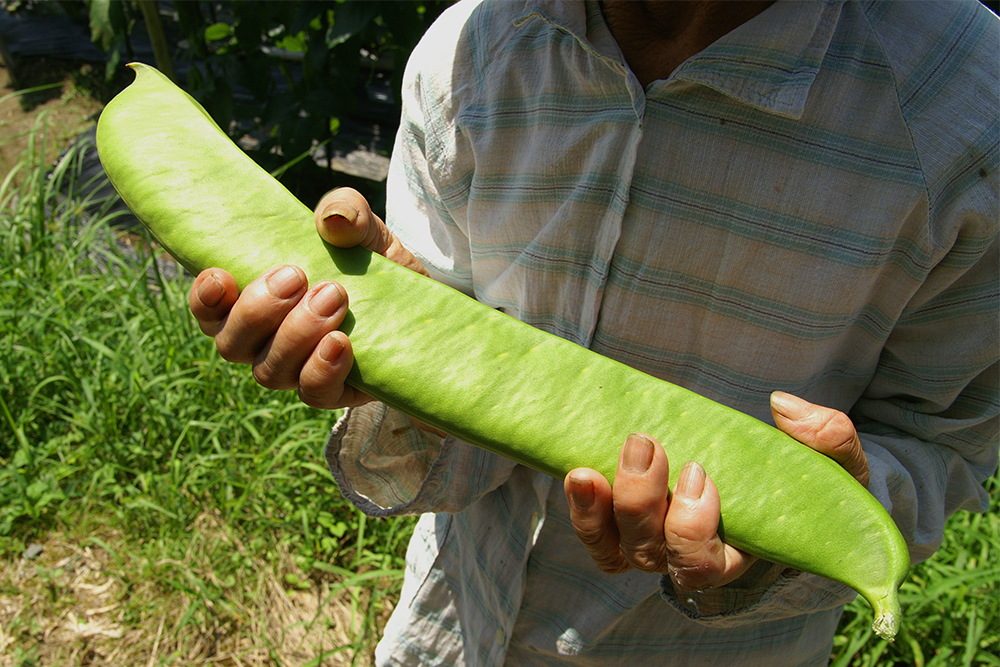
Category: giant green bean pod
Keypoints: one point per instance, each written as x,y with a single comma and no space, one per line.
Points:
483,376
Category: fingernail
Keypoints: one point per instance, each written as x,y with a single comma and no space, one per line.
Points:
788,406
326,301
210,292
284,282
691,482
341,209
638,454
330,348
581,491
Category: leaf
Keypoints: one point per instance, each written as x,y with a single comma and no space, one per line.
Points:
918,654
295,43
102,33
113,59
149,504
108,26
857,642
22,457
36,489
336,528
348,20
218,31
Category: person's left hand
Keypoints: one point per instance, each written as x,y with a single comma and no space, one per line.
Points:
640,525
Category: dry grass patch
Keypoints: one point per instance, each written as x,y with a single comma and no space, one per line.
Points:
67,108
109,600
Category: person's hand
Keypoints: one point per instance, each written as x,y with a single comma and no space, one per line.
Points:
286,329
638,524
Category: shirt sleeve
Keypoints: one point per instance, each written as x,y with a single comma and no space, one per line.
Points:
928,421
433,163
387,466
928,418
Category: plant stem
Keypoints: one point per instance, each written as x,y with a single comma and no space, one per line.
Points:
161,50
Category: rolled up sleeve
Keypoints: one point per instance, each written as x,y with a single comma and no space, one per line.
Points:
387,466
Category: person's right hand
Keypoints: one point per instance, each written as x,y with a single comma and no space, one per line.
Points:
287,330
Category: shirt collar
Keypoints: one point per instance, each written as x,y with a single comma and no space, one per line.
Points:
769,62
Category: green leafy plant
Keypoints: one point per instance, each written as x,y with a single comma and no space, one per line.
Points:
951,603
125,442
287,73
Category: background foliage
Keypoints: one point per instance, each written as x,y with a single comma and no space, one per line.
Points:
144,482
285,74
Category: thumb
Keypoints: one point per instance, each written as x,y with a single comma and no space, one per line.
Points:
826,430
345,219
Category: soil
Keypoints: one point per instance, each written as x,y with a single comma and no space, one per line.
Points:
63,112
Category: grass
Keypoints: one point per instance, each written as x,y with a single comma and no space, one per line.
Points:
184,515
157,507
951,603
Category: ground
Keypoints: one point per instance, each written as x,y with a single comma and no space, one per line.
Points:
66,110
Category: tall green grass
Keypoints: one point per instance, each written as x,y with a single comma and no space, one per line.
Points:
123,433
118,417
951,603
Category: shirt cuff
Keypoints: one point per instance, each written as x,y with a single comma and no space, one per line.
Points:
380,459
386,466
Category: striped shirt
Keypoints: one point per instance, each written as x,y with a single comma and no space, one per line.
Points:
810,204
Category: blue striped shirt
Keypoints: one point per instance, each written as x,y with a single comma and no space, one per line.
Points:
810,204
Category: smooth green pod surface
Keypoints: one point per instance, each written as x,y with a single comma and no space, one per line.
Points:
483,376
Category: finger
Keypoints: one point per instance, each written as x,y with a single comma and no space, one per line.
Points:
591,511
258,312
698,557
320,311
344,219
826,430
641,493
323,377
212,295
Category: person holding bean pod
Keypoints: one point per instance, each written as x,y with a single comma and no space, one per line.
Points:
767,202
